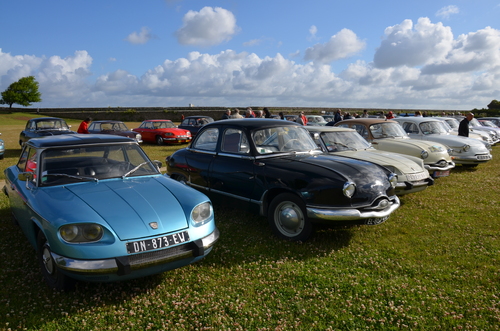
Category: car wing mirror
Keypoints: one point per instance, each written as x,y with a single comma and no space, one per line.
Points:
158,164
316,136
26,176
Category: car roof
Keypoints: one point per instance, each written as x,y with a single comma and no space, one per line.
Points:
45,119
253,123
366,121
157,121
107,121
417,119
327,128
197,116
77,139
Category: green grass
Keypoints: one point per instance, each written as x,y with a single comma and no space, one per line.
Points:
435,264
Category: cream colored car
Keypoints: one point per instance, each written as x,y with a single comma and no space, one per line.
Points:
387,135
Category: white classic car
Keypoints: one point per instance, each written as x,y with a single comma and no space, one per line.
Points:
412,175
452,124
463,150
387,135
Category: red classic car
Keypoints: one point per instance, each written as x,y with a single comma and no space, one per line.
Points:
162,131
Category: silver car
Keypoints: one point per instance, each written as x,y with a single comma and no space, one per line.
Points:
463,150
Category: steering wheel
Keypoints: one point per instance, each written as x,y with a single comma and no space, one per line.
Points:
288,142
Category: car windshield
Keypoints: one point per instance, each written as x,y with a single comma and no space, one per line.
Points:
114,126
488,123
474,122
387,130
283,139
453,123
92,163
51,125
446,126
163,125
432,128
343,141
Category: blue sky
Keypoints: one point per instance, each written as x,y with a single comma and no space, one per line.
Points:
320,53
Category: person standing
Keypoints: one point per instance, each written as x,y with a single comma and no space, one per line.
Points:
365,114
267,113
463,128
227,114
299,119
84,126
338,116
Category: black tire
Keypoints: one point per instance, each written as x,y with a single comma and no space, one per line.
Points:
52,275
180,178
288,218
159,140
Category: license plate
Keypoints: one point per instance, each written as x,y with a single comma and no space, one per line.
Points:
376,220
438,173
157,243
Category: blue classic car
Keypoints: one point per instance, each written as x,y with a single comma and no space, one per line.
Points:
275,168
44,127
97,209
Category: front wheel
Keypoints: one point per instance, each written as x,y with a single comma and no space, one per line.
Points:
287,217
159,140
52,275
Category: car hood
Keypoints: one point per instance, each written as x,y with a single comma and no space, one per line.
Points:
127,206
369,178
457,142
404,164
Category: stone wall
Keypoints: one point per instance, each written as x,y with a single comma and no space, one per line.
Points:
138,114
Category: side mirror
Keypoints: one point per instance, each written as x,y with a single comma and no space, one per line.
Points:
316,136
158,164
25,176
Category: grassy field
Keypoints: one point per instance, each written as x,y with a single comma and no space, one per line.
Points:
435,264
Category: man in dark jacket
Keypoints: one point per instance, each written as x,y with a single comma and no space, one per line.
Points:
463,128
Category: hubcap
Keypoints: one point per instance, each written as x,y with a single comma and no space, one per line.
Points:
289,218
47,260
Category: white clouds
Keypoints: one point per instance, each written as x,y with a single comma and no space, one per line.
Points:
208,27
406,45
419,65
312,32
342,45
139,38
447,11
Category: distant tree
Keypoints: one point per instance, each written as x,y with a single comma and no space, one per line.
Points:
23,92
494,105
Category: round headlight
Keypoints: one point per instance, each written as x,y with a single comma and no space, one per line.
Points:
349,189
466,148
424,154
92,232
138,137
393,179
202,213
69,232
81,233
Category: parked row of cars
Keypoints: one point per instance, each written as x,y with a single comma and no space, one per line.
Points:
128,220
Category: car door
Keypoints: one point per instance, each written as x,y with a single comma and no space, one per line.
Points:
146,131
232,172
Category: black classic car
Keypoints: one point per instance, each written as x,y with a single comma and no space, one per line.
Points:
43,127
194,123
276,169
117,128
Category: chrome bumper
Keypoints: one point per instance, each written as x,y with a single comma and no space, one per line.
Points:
450,166
352,214
124,265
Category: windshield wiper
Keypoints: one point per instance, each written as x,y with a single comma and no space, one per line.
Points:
135,169
74,177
